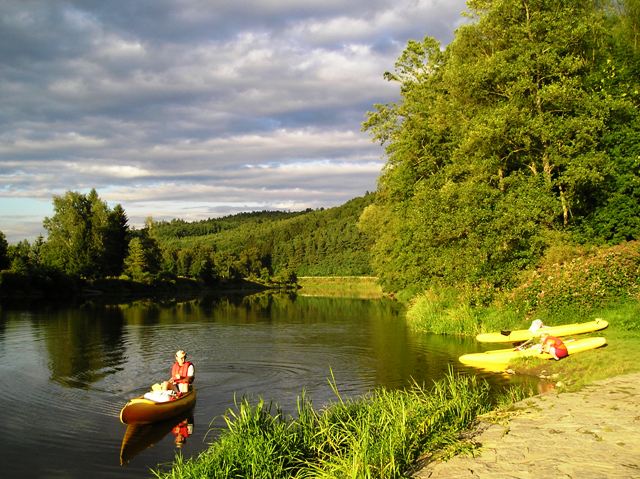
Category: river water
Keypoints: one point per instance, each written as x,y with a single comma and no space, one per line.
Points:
66,372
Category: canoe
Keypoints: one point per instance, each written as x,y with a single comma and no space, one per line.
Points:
145,411
524,334
499,359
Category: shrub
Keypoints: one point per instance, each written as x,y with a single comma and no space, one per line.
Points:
585,282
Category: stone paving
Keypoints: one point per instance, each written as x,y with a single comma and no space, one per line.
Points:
590,434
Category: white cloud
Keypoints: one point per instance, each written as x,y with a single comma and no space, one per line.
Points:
196,108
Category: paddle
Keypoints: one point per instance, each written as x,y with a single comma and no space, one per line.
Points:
520,347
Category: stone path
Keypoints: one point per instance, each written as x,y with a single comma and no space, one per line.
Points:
589,434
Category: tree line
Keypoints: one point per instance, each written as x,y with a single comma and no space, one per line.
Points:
521,136
88,240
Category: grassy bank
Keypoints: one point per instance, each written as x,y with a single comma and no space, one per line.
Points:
571,285
442,314
365,287
381,435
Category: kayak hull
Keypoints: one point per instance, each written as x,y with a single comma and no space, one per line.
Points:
562,330
144,411
499,359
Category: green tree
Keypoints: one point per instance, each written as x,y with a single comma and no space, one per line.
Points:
4,258
497,142
144,257
116,241
85,238
69,231
19,256
136,262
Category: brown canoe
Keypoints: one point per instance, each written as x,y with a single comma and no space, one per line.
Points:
145,411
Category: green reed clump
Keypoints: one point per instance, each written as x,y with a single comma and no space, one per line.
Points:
441,312
380,435
258,442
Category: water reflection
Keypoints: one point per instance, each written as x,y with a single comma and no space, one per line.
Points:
139,437
182,431
83,348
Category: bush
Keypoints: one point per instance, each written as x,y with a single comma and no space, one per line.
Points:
585,282
40,284
13,283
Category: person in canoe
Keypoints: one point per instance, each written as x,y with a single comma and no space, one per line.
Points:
182,374
554,346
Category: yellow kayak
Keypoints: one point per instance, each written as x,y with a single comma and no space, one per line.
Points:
524,334
499,359
145,411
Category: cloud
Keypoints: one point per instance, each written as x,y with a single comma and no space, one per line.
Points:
213,106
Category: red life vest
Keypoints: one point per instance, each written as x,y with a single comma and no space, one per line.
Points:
183,371
561,349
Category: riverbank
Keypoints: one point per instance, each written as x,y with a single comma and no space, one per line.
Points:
361,287
19,289
590,433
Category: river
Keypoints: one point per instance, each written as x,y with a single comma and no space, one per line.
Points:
66,371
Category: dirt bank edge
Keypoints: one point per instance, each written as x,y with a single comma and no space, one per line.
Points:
591,433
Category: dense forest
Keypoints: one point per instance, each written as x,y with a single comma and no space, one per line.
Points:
515,146
520,137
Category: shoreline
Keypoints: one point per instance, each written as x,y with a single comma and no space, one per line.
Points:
590,433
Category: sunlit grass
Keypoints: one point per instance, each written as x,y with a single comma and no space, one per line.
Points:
380,435
365,287
450,312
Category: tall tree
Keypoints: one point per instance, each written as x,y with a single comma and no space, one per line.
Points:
85,237
4,258
116,241
144,257
69,245
497,142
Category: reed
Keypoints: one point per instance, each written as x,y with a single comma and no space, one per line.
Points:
446,311
380,435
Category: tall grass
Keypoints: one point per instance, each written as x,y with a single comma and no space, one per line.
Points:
448,311
441,312
380,435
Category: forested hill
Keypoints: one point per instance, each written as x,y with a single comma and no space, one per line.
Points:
88,240
312,242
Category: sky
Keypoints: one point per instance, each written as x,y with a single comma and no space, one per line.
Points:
197,109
